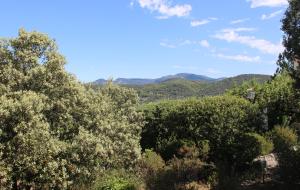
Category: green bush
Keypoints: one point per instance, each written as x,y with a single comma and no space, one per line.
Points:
180,148
193,186
251,145
216,120
117,180
286,146
276,97
284,138
149,167
180,172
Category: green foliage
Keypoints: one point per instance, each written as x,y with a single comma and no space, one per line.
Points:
276,98
289,59
291,39
53,130
216,120
289,162
149,167
193,186
286,146
117,180
284,138
151,161
180,172
250,145
265,145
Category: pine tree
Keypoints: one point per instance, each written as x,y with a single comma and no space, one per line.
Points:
289,59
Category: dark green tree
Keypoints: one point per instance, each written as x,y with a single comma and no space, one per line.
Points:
291,40
289,59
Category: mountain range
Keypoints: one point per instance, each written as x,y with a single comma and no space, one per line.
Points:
144,81
183,85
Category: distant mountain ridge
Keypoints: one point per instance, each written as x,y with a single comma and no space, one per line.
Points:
183,85
182,88
144,81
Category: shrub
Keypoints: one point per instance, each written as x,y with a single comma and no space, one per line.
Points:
251,145
193,186
213,119
180,172
180,148
117,180
284,138
149,165
285,141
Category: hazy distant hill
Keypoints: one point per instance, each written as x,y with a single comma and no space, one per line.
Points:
141,81
182,88
183,85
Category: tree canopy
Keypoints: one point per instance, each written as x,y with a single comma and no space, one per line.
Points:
53,129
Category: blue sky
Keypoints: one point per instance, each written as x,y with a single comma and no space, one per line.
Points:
152,38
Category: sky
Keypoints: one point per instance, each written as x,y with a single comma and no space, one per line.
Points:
153,38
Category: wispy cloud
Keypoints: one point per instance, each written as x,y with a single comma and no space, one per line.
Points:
195,23
272,15
165,8
204,43
267,3
167,45
240,58
240,29
233,35
213,18
239,21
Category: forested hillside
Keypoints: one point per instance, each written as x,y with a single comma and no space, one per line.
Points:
181,88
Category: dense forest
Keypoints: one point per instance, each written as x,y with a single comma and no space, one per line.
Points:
58,133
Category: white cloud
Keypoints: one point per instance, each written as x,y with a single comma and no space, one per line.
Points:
272,15
232,35
213,18
239,21
167,45
204,43
186,42
241,29
267,3
195,23
165,8
240,58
